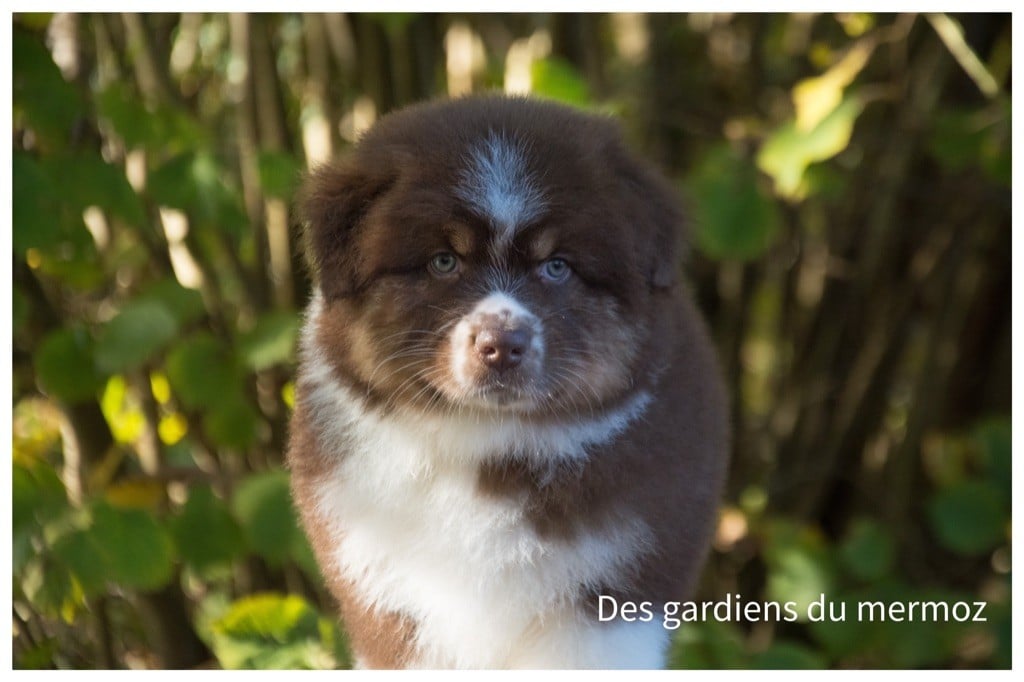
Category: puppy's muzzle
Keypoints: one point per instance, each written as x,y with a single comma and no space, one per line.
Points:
501,346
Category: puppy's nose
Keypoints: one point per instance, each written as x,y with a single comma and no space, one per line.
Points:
502,349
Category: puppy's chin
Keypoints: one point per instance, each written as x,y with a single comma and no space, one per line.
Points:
501,397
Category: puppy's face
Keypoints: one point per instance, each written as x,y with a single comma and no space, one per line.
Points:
490,254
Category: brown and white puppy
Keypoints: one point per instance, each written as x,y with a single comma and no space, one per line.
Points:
507,403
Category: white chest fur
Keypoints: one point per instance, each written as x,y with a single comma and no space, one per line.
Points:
417,537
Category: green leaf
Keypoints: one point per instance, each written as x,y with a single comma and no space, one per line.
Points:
263,505
979,138
787,153
50,588
79,552
205,532
734,218
815,98
159,129
392,22
788,656
279,174
42,98
969,518
37,217
271,341
138,552
270,631
21,309
185,304
202,371
843,638
993,437
87,180
559,80
711,644
38,494
173,183
232,422
868,550
135,335
196,182
37,21
798,562
64,365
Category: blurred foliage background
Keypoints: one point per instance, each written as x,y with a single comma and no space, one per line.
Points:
849,182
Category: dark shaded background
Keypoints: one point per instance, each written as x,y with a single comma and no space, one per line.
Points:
848,177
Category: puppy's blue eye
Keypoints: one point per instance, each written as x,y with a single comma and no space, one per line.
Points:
555,270
444,263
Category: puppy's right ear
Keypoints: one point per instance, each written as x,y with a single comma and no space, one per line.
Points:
332,203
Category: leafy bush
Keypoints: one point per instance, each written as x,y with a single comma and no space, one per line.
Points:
848,178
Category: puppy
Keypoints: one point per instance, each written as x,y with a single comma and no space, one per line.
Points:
507,404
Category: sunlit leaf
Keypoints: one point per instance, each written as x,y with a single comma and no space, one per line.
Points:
172,428
734,219
816,98
798,562
787,153
123,414
558,79
270,631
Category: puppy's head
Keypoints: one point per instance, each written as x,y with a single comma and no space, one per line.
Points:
491,254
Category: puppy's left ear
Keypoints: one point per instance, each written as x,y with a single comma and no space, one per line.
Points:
654,202
332,203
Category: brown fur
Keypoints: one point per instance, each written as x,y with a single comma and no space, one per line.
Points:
623,323
383,640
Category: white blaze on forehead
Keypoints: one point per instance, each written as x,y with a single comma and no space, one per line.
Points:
497,184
